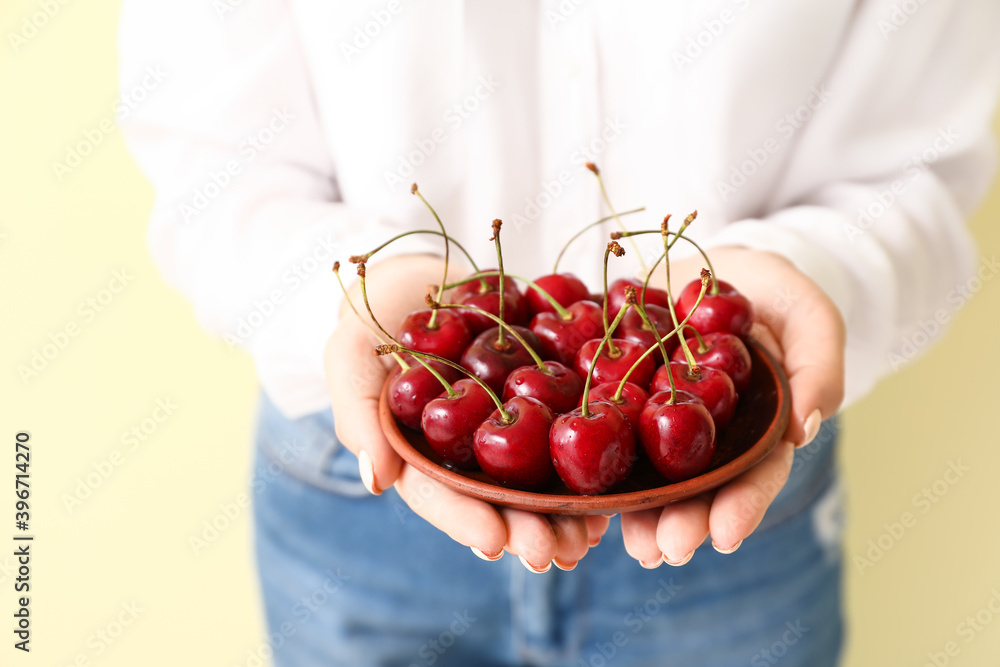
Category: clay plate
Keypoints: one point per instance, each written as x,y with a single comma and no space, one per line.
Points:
761,418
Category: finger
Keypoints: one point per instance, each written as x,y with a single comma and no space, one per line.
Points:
531,538
682,528
597,525
355,377
571,540
639,533
763,335
739,506
464,519
813,341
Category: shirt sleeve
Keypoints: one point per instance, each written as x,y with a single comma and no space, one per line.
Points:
897,155
247,218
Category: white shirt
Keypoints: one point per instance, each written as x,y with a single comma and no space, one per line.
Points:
851,137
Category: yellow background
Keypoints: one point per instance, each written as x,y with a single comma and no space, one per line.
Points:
128,543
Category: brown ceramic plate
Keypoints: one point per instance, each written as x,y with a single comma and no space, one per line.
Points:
761,418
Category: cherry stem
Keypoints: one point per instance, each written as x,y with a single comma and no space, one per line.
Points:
432,324
555,267
701,341
652,327
362,271
677,236
692,364
503,325
347,297
560,310
501,343
613,247
386,349
584,405
365,257
604,193
678,330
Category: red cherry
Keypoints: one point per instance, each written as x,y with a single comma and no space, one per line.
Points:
655,297
725,352
678,438
561,339
493,365
592,453
712,386
560,388
412,389
516,453
450,422
613,369
448,339
633,399
473,294
565,288
634,329
727,311
476,286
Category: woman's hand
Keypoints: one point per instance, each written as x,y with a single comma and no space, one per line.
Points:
802,328
355,377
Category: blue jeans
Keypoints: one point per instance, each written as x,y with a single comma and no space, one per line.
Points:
355,580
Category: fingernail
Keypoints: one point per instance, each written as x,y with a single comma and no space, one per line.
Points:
678,563
811,427
652,565
565,568
726,551
532,568
484,556
367,471
594,542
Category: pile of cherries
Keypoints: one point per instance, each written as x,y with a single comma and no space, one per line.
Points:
554,380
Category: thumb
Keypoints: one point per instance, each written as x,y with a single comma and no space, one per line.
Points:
355,377
812,338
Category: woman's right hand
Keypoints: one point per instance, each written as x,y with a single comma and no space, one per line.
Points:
355,377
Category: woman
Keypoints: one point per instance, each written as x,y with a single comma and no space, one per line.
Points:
833,151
